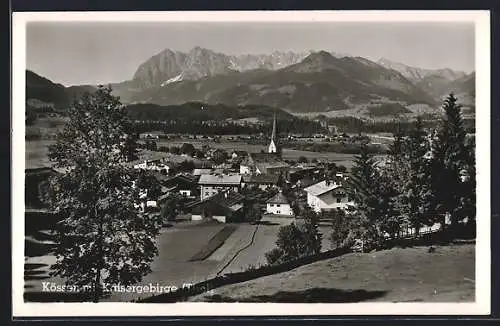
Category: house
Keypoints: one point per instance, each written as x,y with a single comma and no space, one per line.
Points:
154,165
183,183
326,195
261,181
279,205
212,184
224,207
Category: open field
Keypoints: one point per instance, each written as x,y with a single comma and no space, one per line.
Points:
174,266
170,268
37,151
395,275
288,154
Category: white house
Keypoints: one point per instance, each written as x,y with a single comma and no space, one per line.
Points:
153,165
326,195
279,205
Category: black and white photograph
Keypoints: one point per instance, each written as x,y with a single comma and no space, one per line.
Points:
277,160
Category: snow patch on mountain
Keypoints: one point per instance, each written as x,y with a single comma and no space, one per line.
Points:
177,78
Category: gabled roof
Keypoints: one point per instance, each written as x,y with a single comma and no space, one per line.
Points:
228,199
223,179
321,188
279,198
231,200
181,180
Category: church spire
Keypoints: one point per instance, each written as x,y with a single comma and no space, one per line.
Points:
272,145
273,134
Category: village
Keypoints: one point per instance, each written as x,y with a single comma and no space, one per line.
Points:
224,211
282,188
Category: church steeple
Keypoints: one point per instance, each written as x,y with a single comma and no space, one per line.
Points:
272,145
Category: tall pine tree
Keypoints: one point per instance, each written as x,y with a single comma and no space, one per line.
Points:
364,187
415,192
453,165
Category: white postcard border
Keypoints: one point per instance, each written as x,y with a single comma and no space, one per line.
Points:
483,251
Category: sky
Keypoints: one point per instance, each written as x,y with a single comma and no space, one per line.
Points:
75,53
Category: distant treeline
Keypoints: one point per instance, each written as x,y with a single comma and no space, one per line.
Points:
211,128
345,148
356,125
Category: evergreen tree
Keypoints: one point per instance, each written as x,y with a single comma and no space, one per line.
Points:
362,184
103,238
416,195
364,187
453,165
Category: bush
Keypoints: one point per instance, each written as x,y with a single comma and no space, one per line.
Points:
273,256
299,240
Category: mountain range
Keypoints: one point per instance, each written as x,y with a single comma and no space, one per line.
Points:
297,82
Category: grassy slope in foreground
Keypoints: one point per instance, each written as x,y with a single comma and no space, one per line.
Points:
396,275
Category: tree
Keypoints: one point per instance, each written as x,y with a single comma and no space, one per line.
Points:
303,159
169,209
219,156
103,239
415,192
340,227
289,242
188,149
363,186
150,145
297,240
453,165
186,166
149,187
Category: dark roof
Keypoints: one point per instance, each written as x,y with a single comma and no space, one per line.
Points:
261,178
180,180
225,199
279,198
228,199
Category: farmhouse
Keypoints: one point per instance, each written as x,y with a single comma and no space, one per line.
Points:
326,195
212,184
279,205
224,207
183,183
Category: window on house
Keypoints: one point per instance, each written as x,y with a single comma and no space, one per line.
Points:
339,199
278,212
277,205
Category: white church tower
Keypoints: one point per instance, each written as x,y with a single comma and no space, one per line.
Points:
272,145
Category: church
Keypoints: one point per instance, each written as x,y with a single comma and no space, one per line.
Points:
266,163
